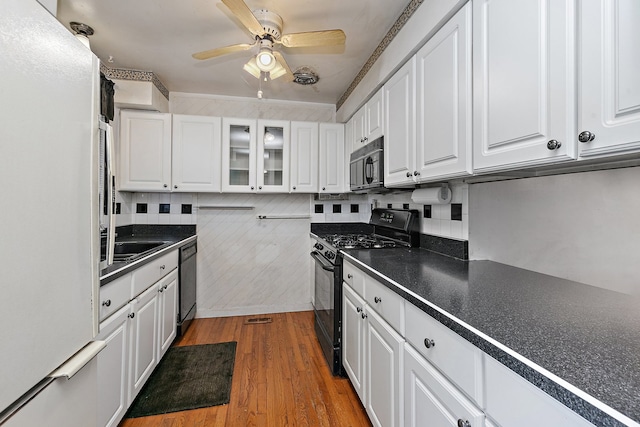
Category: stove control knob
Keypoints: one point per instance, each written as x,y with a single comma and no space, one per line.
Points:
318,246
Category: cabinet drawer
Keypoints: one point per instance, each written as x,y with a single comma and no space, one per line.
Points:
150,273
512,400
114,295
354,277
385,302
458,359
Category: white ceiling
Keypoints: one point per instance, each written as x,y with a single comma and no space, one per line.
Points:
161,35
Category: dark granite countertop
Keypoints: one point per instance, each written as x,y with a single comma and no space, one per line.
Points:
175,236
576,342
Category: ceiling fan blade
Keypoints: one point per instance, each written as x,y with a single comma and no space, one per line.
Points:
314,38
222,51
282,68
240,9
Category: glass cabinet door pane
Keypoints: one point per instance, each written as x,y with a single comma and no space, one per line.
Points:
239,154
273,144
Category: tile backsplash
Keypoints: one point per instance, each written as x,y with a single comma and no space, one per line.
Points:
156,208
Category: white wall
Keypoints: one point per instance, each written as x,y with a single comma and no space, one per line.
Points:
583,227
251,108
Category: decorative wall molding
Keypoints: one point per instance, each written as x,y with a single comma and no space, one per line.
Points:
136,75
395,29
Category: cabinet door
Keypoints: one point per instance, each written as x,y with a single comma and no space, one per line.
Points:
359,128
443,78
374,120
353,333
383,361
167,311
143,340
304,157
273,156
196,154
524,96
331,176
145,151
400,132
430,399
610,87
112,368
238,155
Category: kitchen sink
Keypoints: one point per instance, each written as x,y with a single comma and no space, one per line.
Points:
128,251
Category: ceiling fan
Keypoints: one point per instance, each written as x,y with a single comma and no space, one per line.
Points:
266,27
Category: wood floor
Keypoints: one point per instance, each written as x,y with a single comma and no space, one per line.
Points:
280,378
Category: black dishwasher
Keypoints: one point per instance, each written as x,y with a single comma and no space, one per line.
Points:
187,295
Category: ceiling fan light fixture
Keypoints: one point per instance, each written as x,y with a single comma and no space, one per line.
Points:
265,59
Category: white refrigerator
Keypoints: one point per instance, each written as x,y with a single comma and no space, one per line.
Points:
49,243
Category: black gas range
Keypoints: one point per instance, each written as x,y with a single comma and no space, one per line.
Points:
387,228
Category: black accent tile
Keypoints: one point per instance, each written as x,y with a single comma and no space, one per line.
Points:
323,228
451,247
405,206
187,209
141,208
164,208
456,211
426,211
118,208
389,205
319,208
355,208
337,208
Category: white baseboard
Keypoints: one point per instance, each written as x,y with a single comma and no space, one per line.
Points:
248,311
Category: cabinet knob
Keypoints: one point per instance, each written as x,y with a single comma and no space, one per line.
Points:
161,289
323,188
429,343
358,309
463,423
349,276
586,136
260,188
377,300
162,267
166,286
408,174
252,187
554,144
175,186
131,316
364,315
294,188
106,303
165,185
366,139
416,173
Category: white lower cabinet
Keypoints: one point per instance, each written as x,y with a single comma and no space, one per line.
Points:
137,336
353,333
431,400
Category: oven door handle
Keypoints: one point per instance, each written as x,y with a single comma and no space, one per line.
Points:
324,265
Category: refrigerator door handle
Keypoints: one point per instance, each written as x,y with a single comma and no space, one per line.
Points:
111,196
71,367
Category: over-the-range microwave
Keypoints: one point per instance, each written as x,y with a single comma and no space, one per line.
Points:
366,172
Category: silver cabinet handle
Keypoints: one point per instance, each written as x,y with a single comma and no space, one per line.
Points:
554,144
586,136
106,303
377,300
131,316
429,343
463,423
349,276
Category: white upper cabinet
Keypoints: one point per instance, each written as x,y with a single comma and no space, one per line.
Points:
196,153
444,101
273,156
332,158
304,157
238,155
524,96
145,151
400,129
368,122
609,78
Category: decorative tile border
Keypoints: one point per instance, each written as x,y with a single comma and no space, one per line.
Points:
397,26
137,75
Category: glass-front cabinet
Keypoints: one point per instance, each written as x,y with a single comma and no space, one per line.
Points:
238,155
273,156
